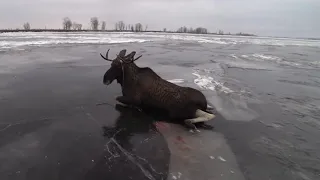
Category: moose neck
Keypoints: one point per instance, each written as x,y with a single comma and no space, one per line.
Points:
129,74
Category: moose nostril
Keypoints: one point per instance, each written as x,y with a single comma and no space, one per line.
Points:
107,82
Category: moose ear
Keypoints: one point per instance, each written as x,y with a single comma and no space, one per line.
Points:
122,53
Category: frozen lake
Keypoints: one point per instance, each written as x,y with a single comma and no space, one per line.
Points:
266,92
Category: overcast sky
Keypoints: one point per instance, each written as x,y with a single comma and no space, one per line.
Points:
294,18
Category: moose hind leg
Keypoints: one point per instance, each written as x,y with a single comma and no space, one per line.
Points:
200,117
202,125
189,124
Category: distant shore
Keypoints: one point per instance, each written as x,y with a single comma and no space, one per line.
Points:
85,30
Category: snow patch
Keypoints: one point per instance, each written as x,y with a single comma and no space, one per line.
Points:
15,44
89,37
176,81
221,159
234,56
207,82
266,57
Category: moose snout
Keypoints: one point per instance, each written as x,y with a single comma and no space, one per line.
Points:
106,81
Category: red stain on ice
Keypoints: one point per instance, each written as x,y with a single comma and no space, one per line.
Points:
161,125
180,139
181,143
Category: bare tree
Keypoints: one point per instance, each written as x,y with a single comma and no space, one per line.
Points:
79,26
132,28
182,29
76,26
103,25
94,23
138,27
121,25
185,29
164,29
67,23
26,26
201,30
146,28
116,26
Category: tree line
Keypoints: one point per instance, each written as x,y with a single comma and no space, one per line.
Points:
96,25
198,30
201,30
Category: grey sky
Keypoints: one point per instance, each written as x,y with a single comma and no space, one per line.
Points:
297,18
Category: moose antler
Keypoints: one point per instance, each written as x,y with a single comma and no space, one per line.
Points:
137,58
130,57
127,59
106,58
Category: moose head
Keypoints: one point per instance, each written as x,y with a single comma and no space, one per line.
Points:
118,64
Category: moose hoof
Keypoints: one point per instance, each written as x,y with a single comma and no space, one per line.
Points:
190,125
202,125
194,130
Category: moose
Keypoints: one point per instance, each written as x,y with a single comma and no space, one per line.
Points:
143,88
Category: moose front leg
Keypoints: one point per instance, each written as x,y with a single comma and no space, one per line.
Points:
128,101
124,100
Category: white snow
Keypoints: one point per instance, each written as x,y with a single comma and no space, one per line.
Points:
207,82
221,159
176,81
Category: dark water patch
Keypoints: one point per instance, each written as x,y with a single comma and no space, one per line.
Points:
246,68
301,100
181,64
300,54
165,63
164,52
271,48
190,44
219,56
187,64
304,83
